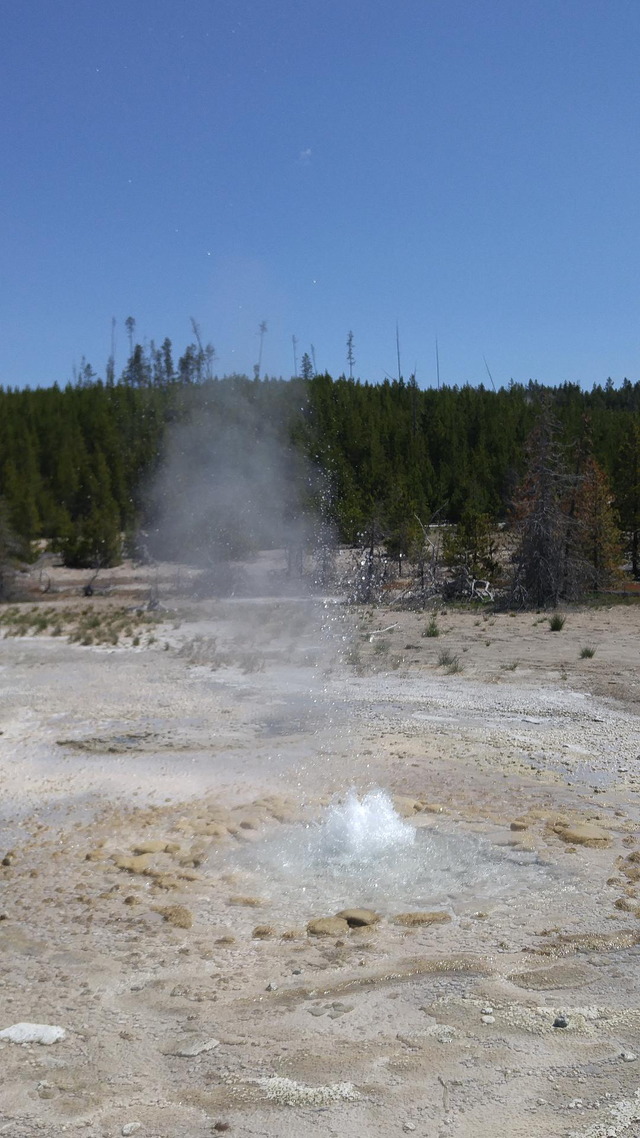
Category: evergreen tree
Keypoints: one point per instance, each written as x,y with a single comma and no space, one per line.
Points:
597,536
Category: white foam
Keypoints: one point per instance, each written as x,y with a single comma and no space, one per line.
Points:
361,828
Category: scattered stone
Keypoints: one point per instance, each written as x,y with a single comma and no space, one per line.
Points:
45,1090
487,1019
518,825
187,1050
316,1011
582,834
250,823
327,926
560,1021
261,932
130,1128
413,920
44,1033
407,807
628,1056
271,987
139,864
358,918
176,915
625,905
149,847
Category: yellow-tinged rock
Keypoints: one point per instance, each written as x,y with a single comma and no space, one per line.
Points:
415,920
328,926
582,834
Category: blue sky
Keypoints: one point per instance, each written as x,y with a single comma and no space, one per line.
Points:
467,168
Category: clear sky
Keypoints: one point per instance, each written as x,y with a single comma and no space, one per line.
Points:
467,168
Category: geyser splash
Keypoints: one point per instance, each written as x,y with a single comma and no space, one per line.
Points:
363,853
360,829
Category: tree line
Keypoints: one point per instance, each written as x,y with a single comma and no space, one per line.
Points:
77,463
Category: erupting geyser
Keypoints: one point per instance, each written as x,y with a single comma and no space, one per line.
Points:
362,828
363,853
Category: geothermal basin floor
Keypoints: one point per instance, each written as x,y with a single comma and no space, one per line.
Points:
162,816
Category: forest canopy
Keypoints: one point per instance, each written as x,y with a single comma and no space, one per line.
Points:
78,464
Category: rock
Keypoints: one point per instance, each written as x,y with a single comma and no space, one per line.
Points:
518,825
407,807
153,845
487,1019
628,1056
358,918
327,926
261,932
582,834
176,915
44,1033
560,1021
187,1050
130,1128
139,864
250,823
413,920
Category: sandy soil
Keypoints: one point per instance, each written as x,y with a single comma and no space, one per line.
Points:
156,888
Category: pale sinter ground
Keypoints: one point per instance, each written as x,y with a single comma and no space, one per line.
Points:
208,748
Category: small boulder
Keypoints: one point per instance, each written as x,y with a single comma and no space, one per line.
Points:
415,920
176,915
405,806
44,1033
262,932
139,864
152,846
358,918
328,926
582,834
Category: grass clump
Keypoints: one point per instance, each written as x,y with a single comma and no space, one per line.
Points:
557,622
587,652
432,628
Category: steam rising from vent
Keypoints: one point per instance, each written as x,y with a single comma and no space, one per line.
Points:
231,482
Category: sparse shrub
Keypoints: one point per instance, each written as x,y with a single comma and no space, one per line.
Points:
432,628
454,666
587,652
510,667
446,658
557,622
